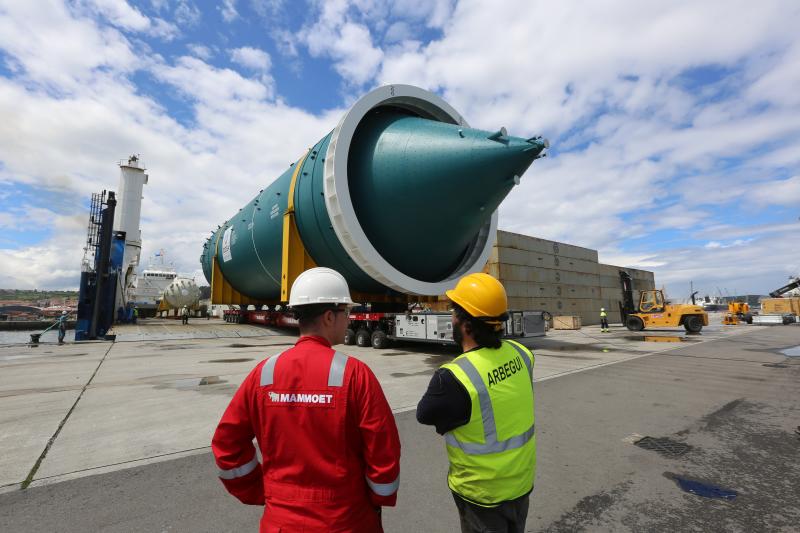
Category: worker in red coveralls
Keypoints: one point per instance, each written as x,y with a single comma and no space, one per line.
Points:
330,452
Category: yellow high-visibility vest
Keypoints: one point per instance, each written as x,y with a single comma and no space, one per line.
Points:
493,456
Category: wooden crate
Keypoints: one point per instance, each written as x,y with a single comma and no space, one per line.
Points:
780,306
566,322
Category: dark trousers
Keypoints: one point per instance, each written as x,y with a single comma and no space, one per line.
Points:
508,517
604,322
61,334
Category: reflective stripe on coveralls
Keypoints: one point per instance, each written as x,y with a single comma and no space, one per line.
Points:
491,444
268,370
335,376
384,489
240,471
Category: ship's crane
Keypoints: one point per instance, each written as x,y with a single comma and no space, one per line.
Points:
778,293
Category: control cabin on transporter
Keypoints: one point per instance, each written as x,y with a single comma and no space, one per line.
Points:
654,311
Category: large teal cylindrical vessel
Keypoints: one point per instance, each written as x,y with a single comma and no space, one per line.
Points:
401,196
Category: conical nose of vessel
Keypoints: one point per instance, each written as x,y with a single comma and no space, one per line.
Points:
422,189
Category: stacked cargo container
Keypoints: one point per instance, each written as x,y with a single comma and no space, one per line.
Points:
563,279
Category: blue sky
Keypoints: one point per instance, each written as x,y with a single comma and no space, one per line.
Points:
674,128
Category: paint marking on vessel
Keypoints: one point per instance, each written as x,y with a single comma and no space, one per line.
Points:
226,244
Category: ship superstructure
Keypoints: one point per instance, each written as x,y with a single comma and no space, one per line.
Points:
150,284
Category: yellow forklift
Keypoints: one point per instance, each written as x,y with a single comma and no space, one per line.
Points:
654,311
737,312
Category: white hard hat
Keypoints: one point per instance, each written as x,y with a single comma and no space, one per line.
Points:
63,312
319,285
602,308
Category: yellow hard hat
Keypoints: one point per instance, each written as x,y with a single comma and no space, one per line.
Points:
481,295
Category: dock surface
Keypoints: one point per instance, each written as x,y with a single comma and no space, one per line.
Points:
115,436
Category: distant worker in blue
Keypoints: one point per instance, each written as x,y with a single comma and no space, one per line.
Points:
482,402
604,321
62,327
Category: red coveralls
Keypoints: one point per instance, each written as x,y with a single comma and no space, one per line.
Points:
328,441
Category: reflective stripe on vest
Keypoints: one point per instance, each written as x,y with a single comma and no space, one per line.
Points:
524,357
384,489
240,471
335,375
490,444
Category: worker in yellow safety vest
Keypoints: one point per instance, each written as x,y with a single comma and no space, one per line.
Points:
604,321
482,402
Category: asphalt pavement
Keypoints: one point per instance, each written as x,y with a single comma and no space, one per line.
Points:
728,410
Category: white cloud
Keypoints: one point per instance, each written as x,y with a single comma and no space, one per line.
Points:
348,43
187,13
120,14
164,30
57,49
211,86
717,244
251,58
228,10
203,52
159,5
128,18
398,32
434,13
779,192
267,8
286,42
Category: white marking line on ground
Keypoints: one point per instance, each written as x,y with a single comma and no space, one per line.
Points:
105,469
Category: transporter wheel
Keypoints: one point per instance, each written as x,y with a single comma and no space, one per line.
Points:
748,318
634,323
379,340
349,337
363,338
693,324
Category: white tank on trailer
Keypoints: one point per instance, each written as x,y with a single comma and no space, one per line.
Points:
182,291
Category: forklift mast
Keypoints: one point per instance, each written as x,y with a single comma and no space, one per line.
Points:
626,307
